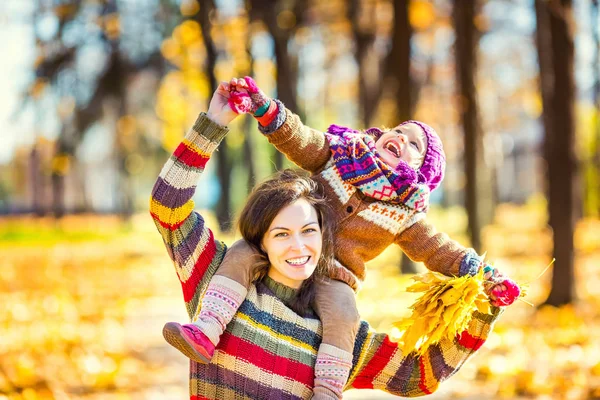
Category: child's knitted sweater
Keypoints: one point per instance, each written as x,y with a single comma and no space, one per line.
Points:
267,350
366,226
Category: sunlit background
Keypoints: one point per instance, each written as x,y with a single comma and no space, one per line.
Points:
95,94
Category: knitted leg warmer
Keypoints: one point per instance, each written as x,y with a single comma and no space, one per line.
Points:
332,369
222,299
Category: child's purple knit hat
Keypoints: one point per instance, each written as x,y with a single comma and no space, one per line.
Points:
432,169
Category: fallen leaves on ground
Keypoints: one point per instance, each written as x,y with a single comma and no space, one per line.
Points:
83,305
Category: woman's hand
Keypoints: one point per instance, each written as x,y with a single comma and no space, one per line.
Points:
219,109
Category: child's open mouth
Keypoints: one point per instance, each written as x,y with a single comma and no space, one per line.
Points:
393,148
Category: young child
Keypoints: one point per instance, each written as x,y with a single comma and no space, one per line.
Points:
378,183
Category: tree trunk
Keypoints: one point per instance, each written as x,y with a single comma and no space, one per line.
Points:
596,65
544,50
370,82
478,189
287,77
125,190
58,195
37,186
560,154
393,71
224,167
287,70
63,152
248,148
399,62
398,68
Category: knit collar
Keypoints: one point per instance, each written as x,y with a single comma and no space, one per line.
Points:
284,293
356,159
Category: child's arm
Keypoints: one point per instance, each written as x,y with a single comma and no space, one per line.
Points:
306,147
190,244
421,242
380,364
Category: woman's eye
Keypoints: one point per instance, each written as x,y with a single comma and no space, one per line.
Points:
281,234
310,230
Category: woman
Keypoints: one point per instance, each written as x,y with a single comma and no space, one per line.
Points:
269,348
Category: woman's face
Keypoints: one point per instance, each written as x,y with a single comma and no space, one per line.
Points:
293,244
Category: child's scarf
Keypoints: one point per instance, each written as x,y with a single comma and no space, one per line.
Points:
356,158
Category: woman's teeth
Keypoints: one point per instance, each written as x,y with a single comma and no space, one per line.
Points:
298,261
392,148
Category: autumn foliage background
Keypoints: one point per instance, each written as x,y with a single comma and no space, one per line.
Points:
97,93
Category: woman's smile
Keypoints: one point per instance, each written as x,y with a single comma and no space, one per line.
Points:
298,261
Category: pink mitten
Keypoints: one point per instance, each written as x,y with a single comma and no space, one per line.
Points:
250,100
240,102
503,291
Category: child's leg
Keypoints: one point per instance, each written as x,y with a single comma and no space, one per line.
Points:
226,291
224,294
335,303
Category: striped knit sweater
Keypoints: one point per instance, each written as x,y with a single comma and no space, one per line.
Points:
366,226
267,350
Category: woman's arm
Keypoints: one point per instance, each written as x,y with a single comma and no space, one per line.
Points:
380,364
190,244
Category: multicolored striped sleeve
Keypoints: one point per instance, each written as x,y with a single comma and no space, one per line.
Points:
379,363
190,244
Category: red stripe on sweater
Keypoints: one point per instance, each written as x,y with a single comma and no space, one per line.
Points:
189,157
260,358
364,380
200,267
170,227
470,342
422,383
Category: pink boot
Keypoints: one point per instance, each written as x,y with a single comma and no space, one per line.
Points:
189,340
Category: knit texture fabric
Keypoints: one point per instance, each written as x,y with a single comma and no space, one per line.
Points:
433,166
366,226
221,300
267,351
431,171
332,368
355,157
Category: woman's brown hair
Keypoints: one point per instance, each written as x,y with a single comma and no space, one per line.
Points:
264,203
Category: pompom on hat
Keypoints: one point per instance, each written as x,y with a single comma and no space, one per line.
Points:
431,171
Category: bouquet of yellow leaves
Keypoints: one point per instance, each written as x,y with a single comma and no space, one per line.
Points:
443,310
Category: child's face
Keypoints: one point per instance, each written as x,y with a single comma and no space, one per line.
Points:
403,143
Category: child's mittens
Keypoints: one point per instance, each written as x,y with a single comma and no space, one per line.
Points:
249,99
240,102
260,101
502,291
